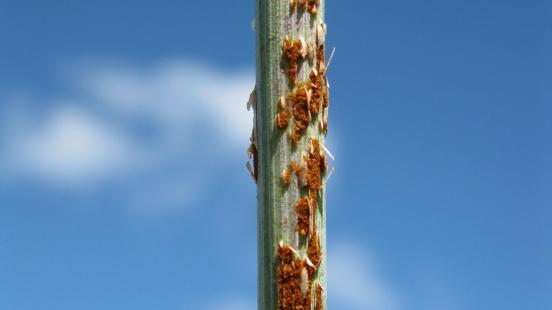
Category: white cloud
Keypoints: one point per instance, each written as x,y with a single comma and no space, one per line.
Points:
69,146
175,94
89,132
162,128
355,281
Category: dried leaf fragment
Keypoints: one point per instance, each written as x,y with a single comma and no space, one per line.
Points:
321,32
310,51
253,155
286,177
300,171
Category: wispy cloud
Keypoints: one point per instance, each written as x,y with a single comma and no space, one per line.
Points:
163,128
68,145
356,281
175,95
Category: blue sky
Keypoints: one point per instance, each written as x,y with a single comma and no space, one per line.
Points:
123,132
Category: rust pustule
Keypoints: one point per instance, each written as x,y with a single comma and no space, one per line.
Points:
325,86
303,210
314,251
312,6
317,88
323,164
294,50
301,111
314,166
321,58
282,119
294,285
318,299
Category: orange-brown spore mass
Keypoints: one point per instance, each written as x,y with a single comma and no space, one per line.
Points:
293,51
317,87
290,295
299,102
321,57
313,251
318,297
312,6
323,163
314,166
303,210
282,119
321,67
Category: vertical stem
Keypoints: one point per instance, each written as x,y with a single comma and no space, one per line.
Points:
276,216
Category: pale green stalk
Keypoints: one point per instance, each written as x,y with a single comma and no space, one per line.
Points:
275,202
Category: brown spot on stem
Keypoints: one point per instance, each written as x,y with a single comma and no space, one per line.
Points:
294,285
282,119
303,210
323,163
312,6
314,164
319,303
299,101
321,57
313,251
317,88
294,50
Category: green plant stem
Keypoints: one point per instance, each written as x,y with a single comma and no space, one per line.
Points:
275,202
